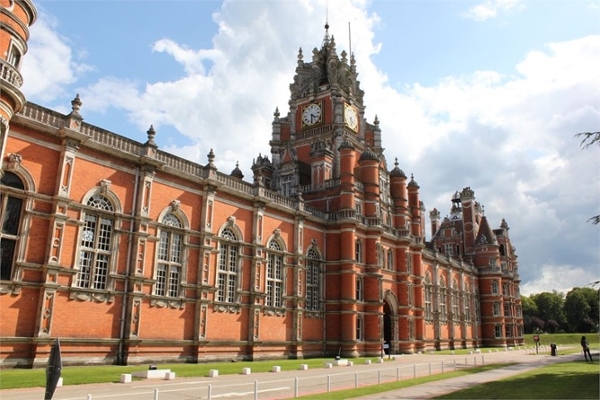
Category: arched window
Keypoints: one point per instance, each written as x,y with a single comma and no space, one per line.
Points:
95,245
228,266
274,275
10,215
169,259
313,281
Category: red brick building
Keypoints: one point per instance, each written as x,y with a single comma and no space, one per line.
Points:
130,254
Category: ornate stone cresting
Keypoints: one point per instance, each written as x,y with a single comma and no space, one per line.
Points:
326,71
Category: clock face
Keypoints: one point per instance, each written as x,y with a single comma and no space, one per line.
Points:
87,235
311,114
351,117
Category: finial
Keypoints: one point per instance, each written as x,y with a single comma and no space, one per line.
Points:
326,37
276,113
396,162
151,134
76,105
376,121
300,54
211,158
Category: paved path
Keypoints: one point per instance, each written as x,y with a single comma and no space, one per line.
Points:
286,384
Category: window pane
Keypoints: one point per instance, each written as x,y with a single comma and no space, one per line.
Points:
7,252
85,267
101,272
12,216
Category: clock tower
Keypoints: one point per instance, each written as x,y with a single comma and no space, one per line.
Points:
325,110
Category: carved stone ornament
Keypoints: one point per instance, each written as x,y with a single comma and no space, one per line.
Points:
95,297
104,186
274,312
175,205
164,303
14,161
313,314
227,308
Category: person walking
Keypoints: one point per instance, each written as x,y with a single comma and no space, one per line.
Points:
586,348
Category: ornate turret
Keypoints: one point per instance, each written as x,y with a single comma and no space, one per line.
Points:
15,17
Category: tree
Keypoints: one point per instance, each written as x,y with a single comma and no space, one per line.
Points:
590,139
577,310
550,307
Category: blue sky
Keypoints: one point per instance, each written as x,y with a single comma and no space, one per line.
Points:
486,94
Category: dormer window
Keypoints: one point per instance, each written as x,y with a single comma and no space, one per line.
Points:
286,183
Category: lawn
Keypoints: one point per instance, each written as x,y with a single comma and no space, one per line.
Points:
22,378
572,380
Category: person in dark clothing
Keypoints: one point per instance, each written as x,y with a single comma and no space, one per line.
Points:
586,348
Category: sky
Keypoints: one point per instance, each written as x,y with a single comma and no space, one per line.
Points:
487,94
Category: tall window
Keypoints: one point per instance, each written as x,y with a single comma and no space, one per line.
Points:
442,299
507,308
286,184
274,275
359,327
170,249
359,288
390,260
496,308
467,303
358,251
409,268
428,296
313,281
228,267
449,249
477,306
494,287
10,215
498,331
454,300
95,246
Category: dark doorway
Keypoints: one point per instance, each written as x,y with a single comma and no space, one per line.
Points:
387,323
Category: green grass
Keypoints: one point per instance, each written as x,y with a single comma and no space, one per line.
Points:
385,387
24,378
564,339
572,380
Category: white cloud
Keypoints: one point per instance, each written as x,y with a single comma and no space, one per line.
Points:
561,278
49,65
491,9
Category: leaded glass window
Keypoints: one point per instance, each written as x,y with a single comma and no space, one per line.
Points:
170,252
95,252
228,267
274,275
